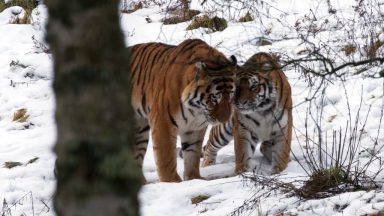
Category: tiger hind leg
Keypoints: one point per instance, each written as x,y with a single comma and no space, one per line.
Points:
141,140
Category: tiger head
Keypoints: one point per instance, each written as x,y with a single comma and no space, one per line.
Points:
212,89
254,87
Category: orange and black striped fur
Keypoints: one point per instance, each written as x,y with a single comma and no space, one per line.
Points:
179,90
263,113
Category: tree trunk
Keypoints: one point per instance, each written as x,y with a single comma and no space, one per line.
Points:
96,173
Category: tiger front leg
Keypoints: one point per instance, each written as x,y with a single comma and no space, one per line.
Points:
164,146
244,148
278,152
191,143
219,137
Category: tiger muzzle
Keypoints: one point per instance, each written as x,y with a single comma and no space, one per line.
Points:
223,110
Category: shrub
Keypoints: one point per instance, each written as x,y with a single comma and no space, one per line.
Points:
349,49
246,18
27,5
179,15
215,23
198,199
130,8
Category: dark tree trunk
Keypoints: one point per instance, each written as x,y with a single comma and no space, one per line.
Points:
96,173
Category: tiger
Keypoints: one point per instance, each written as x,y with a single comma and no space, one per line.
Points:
263,113
178,91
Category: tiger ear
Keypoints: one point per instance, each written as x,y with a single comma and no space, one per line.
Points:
201,69
233,60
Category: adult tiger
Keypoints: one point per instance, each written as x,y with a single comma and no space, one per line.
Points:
263,113
179,90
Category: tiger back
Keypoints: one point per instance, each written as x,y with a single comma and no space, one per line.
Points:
178,90
263,114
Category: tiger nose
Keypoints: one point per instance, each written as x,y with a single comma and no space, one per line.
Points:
224,109
240,97
241,101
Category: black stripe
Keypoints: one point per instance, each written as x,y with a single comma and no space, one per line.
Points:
216,137
186,46
171,118
281,88
162,62
252,147
147,70
208,89
142,149
243,126
254,138
222,137
192,112
139,156
143,102
138,142
144,65
192,105
150,65
196,91
202,97
215,81
216,146
146,128
226,130
138,57
182,113
138,111
253,120
186,145
204,122
282,111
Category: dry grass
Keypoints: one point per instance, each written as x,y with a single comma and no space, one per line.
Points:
198,199
33,160
323,181
20,115
12,164
131,8
215,23
27,5
379,213
180,15
371,50
26,19
349,49
246,18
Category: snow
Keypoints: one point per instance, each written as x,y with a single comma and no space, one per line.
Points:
26,75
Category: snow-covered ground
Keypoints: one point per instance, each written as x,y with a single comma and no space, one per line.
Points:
25,83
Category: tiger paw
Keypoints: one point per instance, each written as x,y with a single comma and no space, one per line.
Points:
191,177
277,169
241,168
171,178
207,162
